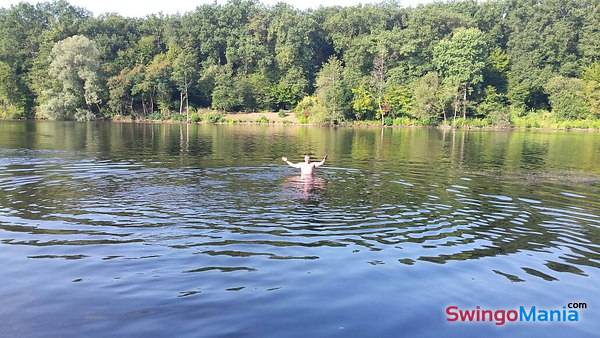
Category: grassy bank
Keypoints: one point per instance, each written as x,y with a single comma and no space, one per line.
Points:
541,120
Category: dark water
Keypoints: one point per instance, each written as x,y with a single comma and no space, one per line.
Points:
124,230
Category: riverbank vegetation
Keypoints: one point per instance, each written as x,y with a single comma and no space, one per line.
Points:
523,63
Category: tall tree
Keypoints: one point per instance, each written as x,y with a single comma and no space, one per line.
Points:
332,90
184,69
74,92
378,79
461,59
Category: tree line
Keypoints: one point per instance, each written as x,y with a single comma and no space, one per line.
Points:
436,62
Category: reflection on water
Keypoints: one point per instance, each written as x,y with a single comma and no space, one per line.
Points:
306,186
137,230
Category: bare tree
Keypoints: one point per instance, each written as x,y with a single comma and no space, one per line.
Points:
378,80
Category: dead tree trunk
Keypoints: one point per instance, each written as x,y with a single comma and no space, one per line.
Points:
180,102
465,101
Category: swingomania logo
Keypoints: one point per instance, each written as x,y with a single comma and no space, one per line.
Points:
568,313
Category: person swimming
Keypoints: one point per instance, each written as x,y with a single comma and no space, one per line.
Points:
307,167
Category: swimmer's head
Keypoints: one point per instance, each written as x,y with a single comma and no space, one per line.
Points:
306,158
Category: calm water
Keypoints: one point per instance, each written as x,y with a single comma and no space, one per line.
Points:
200,231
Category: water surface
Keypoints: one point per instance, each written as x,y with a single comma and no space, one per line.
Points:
200,231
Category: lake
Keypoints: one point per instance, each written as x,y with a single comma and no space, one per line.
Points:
135,230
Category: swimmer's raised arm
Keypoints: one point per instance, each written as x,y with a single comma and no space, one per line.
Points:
290,163
318,164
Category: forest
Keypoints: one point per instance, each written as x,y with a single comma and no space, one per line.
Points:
498,62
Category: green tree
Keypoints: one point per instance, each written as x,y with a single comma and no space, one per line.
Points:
547,38
399,98
332,91
9,107
363,103
494,107
591,90
272,56
120,86
496,71
290,89
74,74
461,60
567,98
225,95
427,103
184,64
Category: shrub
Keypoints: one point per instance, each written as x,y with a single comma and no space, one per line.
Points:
303,119
567,98
178,117
431,121
282,113
543,119
388,121
403,121
156,116
262,119
495,107
10,112
215,117
83,115
195,117
309,109
363,103
459,122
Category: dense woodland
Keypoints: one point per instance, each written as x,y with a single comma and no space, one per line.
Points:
492,60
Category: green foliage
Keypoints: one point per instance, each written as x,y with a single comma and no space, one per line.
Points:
404,121
567,98
195,117
225,95
494,107
363,103
10,112
254,91
178,117
214,117
427,103
11,107
310,109
461,58
592,72
591,92
591,88
74,91
332,91
183,69
547,38
496,71
244,56
290,89
543,119
399,98
282,114
262,119
155,116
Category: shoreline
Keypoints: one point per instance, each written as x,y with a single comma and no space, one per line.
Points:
290,120
350,125
357,126
273,119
